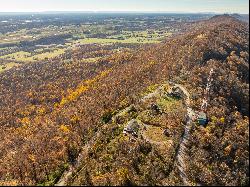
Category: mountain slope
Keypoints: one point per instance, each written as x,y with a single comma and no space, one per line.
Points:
218,152
49,115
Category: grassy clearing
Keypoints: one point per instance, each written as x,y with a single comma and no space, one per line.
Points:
7,66
111,41
149,89
43,56
141,36
169,103
27,57
91,60
155,134
149,119
19,56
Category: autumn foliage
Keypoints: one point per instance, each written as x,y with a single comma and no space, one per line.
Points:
50,110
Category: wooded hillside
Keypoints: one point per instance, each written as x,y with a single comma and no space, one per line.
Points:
49,110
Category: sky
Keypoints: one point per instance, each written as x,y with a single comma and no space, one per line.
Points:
217,6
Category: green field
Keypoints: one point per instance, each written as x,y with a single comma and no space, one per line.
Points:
111,41
19,56
45,55
127,37
23,56
7,66
43,43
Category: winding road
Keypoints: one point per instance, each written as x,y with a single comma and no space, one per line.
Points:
191,116
182,151
69,172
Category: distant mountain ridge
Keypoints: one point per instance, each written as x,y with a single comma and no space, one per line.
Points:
242,17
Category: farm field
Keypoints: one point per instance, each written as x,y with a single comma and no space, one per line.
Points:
7,66
32,38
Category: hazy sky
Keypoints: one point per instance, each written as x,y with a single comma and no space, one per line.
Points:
220,6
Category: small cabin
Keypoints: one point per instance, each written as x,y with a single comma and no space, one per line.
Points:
132,127
176,92
202,118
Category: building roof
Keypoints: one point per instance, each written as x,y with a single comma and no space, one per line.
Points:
202,115
132,126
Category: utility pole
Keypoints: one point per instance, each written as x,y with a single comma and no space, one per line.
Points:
207,91
202,116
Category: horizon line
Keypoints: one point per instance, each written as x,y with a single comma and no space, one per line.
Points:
115,11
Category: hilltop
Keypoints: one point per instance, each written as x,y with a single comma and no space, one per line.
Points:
242,17
52,111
